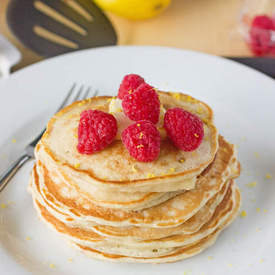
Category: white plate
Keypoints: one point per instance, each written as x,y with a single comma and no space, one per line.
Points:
244,103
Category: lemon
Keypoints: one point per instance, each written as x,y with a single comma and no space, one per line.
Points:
134,9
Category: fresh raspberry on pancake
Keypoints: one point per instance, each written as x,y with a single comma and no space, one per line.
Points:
184,129
142,140
129,84
96,130
143,104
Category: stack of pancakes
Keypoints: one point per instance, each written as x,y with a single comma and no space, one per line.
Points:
114,207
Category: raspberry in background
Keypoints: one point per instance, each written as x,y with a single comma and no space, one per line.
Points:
96,130
260,35
129,83
184,129
142,140
143,104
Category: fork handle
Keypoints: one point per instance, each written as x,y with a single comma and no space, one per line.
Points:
11,171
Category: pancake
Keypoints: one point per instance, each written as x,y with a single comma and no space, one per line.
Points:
139,233
163,250
179,253
112,168
168,214
220,209
163,246
102,197
192,225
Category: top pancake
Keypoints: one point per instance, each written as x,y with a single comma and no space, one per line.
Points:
113,168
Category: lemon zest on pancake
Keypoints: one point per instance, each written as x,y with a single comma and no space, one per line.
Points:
199,110
190,99
77,165
172,170
81,103
134,169
236,171
149,175
205,120
243,214
268,176
182,160
176,95
251,184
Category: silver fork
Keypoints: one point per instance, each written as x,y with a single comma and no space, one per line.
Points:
28,153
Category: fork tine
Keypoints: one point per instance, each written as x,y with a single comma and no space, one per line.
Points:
77,96
95,93
86,93
67,97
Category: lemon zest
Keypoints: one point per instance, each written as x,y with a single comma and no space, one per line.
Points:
243,214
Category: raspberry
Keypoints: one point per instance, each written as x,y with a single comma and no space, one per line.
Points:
143,104
129,83
260,35
96,130
184,129
142,140
263,22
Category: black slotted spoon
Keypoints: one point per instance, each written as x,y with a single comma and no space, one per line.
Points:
53,27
